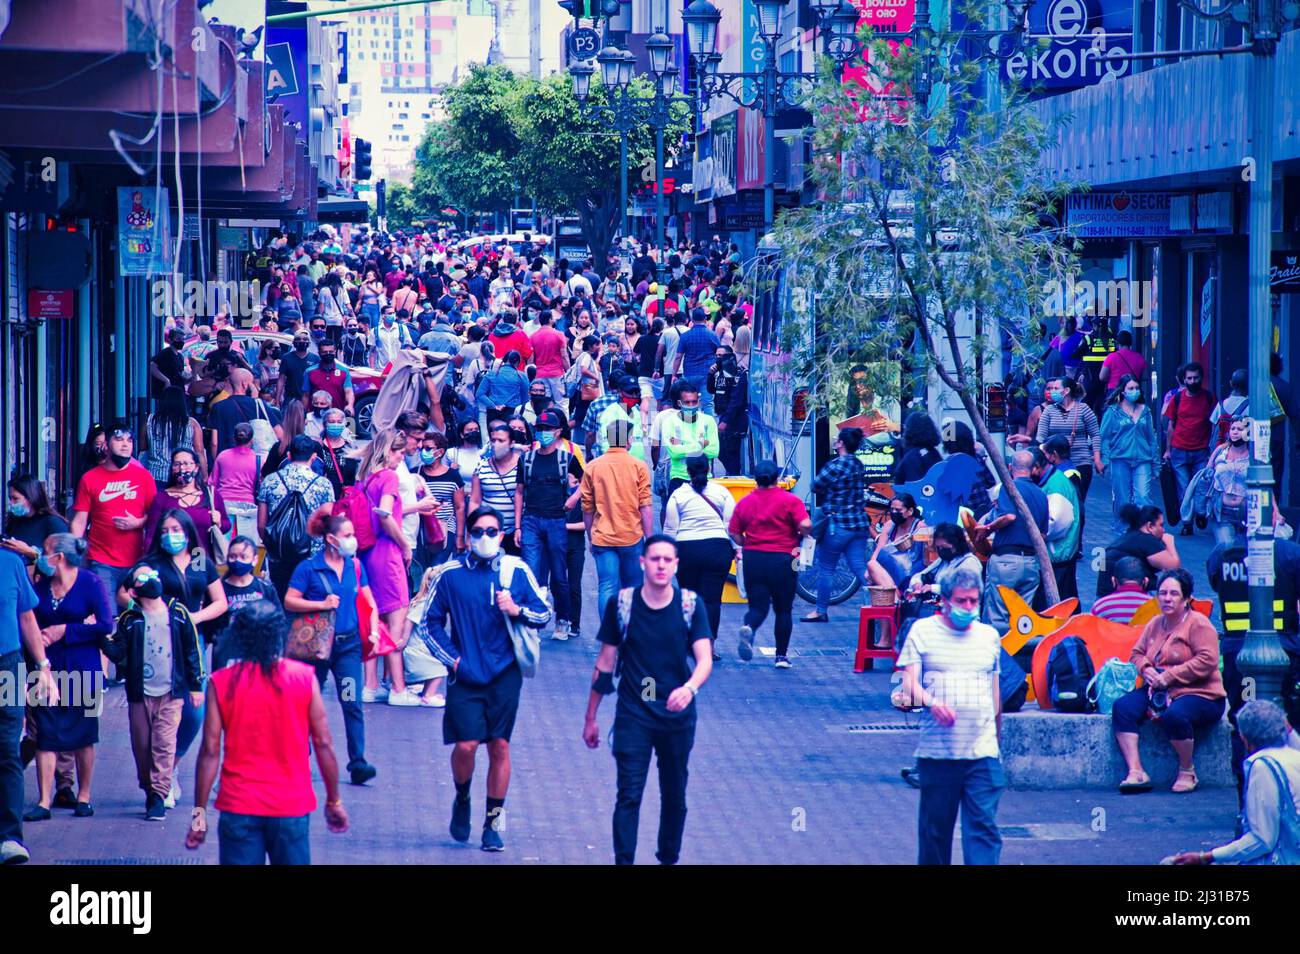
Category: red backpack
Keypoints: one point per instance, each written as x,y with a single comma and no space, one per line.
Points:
354,505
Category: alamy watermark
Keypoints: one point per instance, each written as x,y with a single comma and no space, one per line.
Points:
206,299
1103,299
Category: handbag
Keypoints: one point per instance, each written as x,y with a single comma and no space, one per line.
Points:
311,637
386,643
821,523
527,640
217,541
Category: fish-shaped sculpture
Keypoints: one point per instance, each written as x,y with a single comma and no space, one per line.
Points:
944,488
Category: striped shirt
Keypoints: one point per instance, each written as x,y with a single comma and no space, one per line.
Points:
959,669
498,490
1078,424
842,486
1119,606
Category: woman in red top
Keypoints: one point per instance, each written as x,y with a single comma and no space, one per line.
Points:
769,525
266,708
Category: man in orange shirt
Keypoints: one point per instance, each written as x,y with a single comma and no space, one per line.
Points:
616,511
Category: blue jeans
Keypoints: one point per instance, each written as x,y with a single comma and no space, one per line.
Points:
546,551
12,703
1180,721
853,545
706,396
974,786
191,720
250,839
110,576
1186,463
345,664
371,313
1130,483
634,741
616,567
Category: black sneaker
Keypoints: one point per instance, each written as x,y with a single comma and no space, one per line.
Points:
911,776
65,798
36,813
460,824
83,810
362,772
492,839
154,809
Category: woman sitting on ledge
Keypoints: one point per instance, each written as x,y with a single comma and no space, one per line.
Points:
1177,656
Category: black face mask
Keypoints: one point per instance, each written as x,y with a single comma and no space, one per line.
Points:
540,402
149,590
518,437
473,437
1239,442
945,553
898,518
300,346
121,460
327,361
1193,388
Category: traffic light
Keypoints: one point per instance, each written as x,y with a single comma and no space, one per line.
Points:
360,161
591,9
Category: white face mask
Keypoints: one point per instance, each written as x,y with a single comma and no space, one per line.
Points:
485,547
347,546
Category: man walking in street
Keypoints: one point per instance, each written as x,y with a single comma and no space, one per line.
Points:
651,630
687,433
729,383
1187,429
950,666
1014,563
110,507
549,475
551,355
484,593
696,351
616,511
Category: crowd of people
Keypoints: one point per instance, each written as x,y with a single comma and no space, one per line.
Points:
252,540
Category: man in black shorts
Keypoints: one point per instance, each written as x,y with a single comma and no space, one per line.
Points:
484,693
651,630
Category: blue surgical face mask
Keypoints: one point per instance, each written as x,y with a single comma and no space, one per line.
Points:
19,510
546,438
1132,394
43,565
1056,397
428,455
173,542
962,618
333,430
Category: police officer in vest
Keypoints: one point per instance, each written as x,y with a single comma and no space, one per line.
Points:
1226,568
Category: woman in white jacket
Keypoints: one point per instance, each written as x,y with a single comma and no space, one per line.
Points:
697,515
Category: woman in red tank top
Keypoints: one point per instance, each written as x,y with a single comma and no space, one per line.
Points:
262,711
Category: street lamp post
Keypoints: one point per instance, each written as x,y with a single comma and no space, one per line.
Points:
765,89
626,111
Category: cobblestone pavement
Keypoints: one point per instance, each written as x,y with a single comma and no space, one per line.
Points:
788,768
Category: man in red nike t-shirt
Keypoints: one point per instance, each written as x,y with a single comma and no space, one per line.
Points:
110,507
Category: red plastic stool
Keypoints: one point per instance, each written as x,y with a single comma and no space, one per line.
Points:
887,616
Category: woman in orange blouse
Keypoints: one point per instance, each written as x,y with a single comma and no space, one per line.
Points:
1177,656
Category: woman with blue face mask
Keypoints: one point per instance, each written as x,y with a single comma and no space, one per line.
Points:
1130,447
190,577
29,518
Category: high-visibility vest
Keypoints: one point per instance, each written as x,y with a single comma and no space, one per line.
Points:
1234,597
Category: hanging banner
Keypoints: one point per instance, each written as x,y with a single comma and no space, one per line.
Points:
144,235
724,156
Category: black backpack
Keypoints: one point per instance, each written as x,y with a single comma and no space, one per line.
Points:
286,537
1069,670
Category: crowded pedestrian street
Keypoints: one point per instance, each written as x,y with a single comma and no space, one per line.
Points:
489,436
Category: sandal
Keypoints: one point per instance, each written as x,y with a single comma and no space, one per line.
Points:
1186,782
815,618
1132,784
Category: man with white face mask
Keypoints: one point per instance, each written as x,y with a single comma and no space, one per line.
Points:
483,696
950,665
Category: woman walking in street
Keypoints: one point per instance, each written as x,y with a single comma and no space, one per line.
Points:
769,525
1129,445
445,485
187,491
168,429
496,485
1073,419
29,518
698,516
265,796
842,487
1228,464
74,614
387,560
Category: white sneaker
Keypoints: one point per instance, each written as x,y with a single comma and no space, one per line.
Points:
13,853
404,698
374,695
436,701
173,796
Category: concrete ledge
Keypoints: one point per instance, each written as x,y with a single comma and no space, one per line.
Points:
1050,750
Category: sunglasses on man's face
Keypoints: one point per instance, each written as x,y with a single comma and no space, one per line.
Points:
478,532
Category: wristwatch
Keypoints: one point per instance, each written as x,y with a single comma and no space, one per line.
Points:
694,692
43,665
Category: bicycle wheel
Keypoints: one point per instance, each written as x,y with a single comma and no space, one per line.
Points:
843,583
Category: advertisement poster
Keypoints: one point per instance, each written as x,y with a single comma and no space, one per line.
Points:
885,16
144,232
854,403
724,156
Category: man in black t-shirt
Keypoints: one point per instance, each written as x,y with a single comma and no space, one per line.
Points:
651,631
241,406
548,493
168,367
294,367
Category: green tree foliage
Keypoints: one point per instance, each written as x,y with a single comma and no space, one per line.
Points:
508,136
931,243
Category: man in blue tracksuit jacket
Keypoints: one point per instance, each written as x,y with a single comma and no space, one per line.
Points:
484,693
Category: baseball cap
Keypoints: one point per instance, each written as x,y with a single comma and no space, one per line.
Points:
549,421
